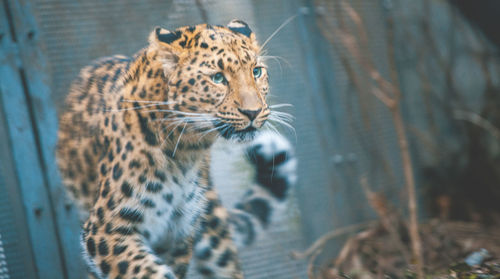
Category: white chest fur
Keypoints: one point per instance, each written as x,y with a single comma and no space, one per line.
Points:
171,212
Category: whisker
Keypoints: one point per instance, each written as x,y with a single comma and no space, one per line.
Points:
280,106
277,30
171,131
278,60
274,117
175,111
147,101
225,129
283,115
277,117
199,127
133,108
284,123
182,112
271,127
188,118
211,130
275,59
178,140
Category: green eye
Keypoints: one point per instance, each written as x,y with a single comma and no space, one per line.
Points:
219,78
257,72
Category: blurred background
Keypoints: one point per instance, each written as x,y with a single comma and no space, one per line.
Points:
397,131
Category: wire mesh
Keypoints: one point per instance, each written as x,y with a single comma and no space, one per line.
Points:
76,32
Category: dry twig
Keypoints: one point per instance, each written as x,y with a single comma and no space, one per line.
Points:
351,244
477,120
322,241
388,216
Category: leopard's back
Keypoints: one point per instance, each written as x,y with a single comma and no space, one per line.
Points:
81,145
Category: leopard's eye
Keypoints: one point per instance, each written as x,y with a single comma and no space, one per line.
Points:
219,78
257,72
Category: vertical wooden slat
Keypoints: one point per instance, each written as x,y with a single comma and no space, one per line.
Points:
330,116
13,227
312,59
322,220
28,169
44,117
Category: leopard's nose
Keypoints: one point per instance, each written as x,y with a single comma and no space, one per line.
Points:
251,114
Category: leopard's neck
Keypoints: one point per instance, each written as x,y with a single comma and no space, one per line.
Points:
148,109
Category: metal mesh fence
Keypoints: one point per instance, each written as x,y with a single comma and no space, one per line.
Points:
4,271
341,134
75,33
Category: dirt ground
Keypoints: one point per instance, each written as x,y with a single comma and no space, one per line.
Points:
450,249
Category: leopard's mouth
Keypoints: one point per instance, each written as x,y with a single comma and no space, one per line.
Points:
231,133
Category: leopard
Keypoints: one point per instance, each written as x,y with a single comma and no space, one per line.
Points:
134,152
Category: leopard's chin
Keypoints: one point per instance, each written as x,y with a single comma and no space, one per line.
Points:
244,135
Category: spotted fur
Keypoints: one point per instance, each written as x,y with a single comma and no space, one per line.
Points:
134,153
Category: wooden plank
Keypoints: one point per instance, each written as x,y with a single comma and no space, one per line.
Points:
325,101
46,124
317,82
28,169
13,227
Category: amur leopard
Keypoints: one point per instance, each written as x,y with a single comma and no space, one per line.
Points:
134,152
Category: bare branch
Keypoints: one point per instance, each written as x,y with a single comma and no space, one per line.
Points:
477,120
321,242
389,217
351,244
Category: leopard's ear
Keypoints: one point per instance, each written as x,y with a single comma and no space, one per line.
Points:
239,26
162,42
164,36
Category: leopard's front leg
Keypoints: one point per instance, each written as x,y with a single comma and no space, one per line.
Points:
115,242
215,254
122,254
177,256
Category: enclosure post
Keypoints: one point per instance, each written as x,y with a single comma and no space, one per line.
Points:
33,71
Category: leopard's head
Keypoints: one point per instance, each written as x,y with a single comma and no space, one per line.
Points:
217,81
